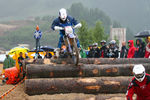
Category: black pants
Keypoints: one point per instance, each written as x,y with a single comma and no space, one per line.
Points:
37,44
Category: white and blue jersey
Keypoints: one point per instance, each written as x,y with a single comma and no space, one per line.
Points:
37,34
70,21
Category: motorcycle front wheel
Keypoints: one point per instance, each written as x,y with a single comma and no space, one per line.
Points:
75,56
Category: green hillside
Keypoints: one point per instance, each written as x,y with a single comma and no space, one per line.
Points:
132,13
24,34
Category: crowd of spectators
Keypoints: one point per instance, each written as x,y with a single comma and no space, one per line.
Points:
141,49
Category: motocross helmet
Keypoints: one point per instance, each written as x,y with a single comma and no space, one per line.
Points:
63,14
139,72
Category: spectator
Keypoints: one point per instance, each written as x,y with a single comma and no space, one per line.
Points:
124,50
90,52
113,50
8,62
63,51
142,50
140,84
96,50
139,49
147,49
22,68
37,36
48,55
20,61
103,49
37,55
147,39
82,52
26,56
131,50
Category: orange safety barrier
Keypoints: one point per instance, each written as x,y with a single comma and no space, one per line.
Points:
6,93
12,75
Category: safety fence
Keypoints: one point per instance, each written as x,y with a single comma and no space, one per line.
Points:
10,90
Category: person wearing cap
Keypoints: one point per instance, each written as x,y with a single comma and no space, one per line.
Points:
37,36
8,62
63,21
113,50
147,49
96,50
103,49
140,84
90,53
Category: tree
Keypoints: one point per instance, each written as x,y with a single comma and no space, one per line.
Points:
98,32
84,35
80,12
116,24
89,36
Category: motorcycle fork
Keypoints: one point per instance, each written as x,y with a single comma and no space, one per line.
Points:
69,44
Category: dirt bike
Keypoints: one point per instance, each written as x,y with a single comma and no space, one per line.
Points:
70,41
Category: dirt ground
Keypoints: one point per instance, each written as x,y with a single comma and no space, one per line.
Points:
19,94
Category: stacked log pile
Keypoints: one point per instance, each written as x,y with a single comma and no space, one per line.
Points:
77,85
84,70
92,76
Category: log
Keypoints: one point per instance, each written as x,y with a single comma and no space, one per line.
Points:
103,61
91,61
85,70
34,61
77,85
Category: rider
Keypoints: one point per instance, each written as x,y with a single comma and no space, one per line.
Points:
140,84
61,22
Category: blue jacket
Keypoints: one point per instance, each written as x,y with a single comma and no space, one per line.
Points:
70,21
37,34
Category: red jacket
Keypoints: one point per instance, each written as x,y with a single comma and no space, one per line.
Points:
131,50
141,89
147,51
